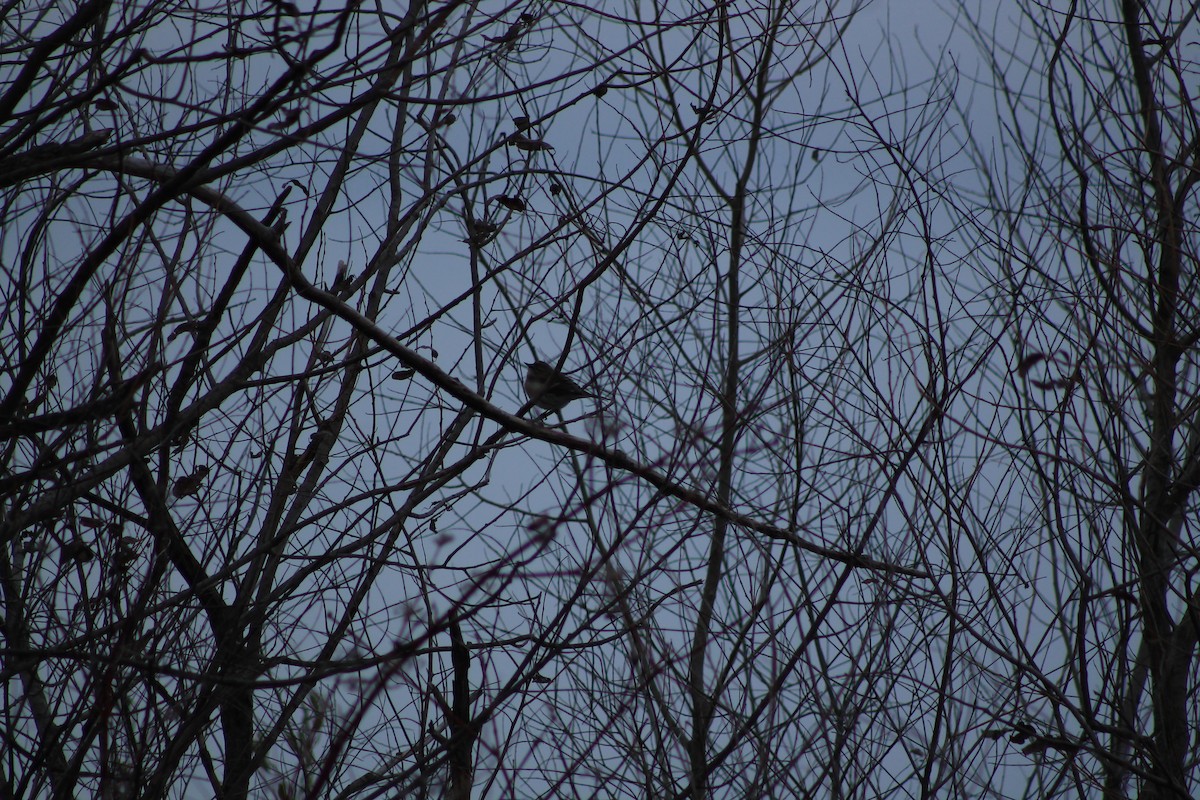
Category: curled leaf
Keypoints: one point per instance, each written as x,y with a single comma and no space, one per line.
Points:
77,550
1029,362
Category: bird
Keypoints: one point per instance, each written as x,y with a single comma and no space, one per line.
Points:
189,484
549,388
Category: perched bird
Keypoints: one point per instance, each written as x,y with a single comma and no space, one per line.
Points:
189,484
549,388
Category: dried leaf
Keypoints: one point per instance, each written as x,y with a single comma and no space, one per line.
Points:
290,9
1029,362
127,551
76,550
1061,383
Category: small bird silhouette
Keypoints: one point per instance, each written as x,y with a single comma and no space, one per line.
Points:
549,388
189,484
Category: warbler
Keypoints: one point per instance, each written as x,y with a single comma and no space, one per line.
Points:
549,388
